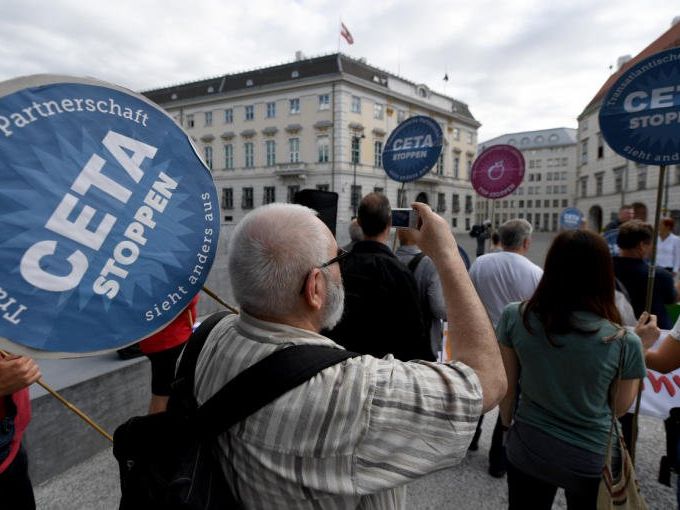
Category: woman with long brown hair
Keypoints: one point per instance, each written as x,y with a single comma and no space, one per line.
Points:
558,346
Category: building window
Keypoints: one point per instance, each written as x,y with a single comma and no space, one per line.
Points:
271,110
521,204
355,149
250,112
208,152
356,196
401,198
470,137
467,223
229,116
455,203
556,203
247,198
618,179
378,189
454,222
469,168
468,204
642,178
378,111
456,134
584,187
584,151
565,202
227,198
356,104
294,150
546,203
269,195
208,118
677,174
600,146
324,149
324,101
228,156
294,106
323,187
440,164
270,149
377,153
401,116
249,153
441,202
456,166
292,190
190,120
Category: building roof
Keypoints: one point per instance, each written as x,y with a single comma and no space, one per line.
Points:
540,139
327,65
667,40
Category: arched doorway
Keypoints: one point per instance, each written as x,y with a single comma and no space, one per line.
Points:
422,197
639,211
595,218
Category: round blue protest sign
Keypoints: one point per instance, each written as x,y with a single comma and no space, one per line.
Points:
412,149
109,219
571,219
640,116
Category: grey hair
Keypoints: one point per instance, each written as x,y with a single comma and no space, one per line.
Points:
272,250
355,232
514,232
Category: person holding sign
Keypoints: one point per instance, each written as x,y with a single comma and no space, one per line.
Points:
17,373
163,349
631,269
567,341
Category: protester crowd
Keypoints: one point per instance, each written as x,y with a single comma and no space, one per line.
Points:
546,345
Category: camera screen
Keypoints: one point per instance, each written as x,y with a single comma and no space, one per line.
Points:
400,217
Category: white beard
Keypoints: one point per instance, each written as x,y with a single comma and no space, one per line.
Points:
335,303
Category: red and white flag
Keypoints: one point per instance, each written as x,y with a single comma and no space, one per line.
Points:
344,31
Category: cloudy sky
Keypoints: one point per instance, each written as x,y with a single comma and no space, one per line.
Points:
520,65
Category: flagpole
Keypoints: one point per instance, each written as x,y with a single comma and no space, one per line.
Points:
339,31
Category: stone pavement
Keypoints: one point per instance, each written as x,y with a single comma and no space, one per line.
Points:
93,485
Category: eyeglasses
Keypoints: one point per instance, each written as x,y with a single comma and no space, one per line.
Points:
341,254
338,257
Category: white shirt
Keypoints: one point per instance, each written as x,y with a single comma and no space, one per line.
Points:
668,252
502,278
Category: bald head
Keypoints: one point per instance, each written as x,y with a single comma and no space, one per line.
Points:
272,250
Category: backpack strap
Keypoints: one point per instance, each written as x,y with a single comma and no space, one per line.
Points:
183,385
264,382
413,263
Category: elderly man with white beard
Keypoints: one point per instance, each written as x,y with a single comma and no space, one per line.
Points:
356,433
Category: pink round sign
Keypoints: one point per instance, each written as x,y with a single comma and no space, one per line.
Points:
498,171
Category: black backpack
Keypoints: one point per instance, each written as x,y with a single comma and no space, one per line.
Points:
167,460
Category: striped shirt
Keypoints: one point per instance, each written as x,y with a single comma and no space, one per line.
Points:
350,437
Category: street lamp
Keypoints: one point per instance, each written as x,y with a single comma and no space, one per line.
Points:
356,150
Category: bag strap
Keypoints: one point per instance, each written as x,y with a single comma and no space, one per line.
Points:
413,263
264,382
614,427
183,385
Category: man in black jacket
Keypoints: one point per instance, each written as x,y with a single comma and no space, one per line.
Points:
382,306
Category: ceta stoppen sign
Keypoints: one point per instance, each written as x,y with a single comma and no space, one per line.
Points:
412,149
109,218
640,115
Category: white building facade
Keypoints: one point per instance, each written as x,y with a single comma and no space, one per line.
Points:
320,123
548,186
